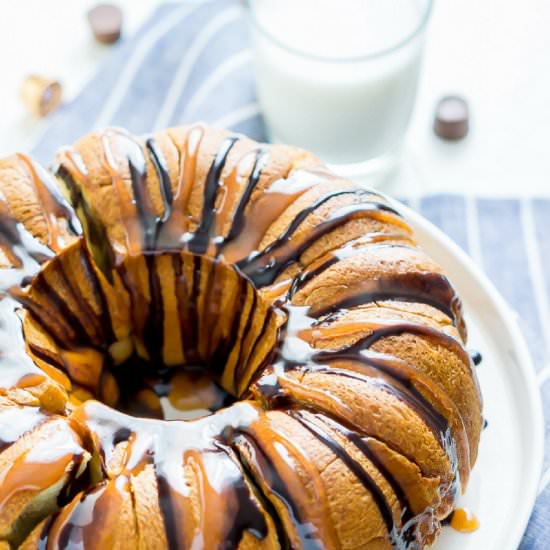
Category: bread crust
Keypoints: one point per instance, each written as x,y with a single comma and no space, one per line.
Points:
356,411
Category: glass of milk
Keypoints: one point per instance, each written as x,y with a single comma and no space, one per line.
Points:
339,77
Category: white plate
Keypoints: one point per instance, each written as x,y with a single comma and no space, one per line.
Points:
504,482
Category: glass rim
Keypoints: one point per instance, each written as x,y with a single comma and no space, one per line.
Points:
417,30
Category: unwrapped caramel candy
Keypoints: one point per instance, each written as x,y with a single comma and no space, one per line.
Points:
41,95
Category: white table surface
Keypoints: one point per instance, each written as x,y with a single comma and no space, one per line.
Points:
494,52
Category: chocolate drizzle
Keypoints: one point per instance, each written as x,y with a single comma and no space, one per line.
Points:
476,357
266,469
432,289
201,236
362,445
164,178
207,458
238,222
357,469
263,268
166,292
167,510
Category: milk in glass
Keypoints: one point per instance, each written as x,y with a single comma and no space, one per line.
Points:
338,77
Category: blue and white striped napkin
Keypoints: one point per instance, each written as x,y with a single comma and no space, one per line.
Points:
192,61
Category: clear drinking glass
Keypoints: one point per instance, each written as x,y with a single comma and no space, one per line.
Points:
339,77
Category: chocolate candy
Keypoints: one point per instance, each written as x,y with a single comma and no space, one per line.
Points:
41,95
106,23
452,118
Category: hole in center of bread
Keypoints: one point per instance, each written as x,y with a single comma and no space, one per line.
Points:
170,335
173,393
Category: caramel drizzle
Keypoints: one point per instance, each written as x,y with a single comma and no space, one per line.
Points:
136,211
177,222
263,212
100,506
159,163
378,329
55,458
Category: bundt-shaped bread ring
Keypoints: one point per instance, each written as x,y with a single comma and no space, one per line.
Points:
148,279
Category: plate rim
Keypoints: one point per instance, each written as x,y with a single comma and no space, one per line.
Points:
524,363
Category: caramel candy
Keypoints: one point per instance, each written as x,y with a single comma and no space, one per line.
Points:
452,118
106,23
41,95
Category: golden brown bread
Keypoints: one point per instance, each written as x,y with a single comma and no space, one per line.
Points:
346,412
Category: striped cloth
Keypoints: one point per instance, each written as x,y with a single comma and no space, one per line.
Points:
192,62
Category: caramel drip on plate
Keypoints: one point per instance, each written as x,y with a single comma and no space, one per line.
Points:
464,521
